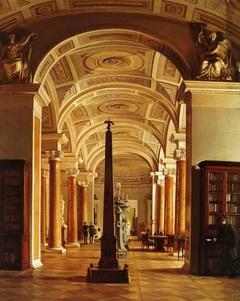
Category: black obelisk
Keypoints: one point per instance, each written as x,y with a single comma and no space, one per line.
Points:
108,240
108,270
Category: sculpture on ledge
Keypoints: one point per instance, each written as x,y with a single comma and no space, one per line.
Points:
14,60
215,57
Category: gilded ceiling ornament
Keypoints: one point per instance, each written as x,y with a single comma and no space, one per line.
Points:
15,59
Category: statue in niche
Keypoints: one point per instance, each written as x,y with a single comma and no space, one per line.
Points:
215,57
14,60
62,212
128,227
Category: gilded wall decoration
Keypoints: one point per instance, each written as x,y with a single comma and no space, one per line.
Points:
47,117
117,79
233,3
46,65
4,7
61,92
170,69
73,5
12,21
65,47
22,2
43,9
61,72
174,9
114,61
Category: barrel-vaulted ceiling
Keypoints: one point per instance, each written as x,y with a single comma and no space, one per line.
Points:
119,60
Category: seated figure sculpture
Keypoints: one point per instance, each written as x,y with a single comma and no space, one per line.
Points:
14,62
215,57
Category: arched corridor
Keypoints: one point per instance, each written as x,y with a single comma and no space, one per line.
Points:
136,63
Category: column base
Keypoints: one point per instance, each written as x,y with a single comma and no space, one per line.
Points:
36,264
55,250
72,245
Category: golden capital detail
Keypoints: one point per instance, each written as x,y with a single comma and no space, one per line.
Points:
45,173
72,172
180,155
54,155
82,183
169,171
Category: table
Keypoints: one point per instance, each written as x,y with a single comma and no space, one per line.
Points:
158,242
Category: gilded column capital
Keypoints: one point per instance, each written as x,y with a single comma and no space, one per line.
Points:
161,182
169,171
179,155
54,155
72,172
82,183
44,173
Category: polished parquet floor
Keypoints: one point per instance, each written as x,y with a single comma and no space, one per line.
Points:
154,276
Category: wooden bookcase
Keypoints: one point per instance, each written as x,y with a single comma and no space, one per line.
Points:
220,194
14,215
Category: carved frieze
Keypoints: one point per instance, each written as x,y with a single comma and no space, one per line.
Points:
119,79
44,9
170,69
144,4
174,9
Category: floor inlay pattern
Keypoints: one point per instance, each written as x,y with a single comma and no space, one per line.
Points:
154,276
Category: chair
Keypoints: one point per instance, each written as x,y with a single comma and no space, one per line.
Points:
146,242
170,241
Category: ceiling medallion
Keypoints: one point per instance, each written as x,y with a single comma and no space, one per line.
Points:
114,60
120,107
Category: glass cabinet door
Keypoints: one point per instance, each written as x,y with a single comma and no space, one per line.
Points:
215,200
233,199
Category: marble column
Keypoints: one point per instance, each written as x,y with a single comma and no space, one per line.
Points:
169,202
154,202
82,207
55,225
72,208
180,156
161,204
43,208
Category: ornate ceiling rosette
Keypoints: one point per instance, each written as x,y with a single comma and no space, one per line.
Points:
114,61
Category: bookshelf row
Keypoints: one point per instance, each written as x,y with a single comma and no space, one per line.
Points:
232,219
215,197
230,197
218,176
231,208
215,207
215,187
233,187
215,176
218,207
233,177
